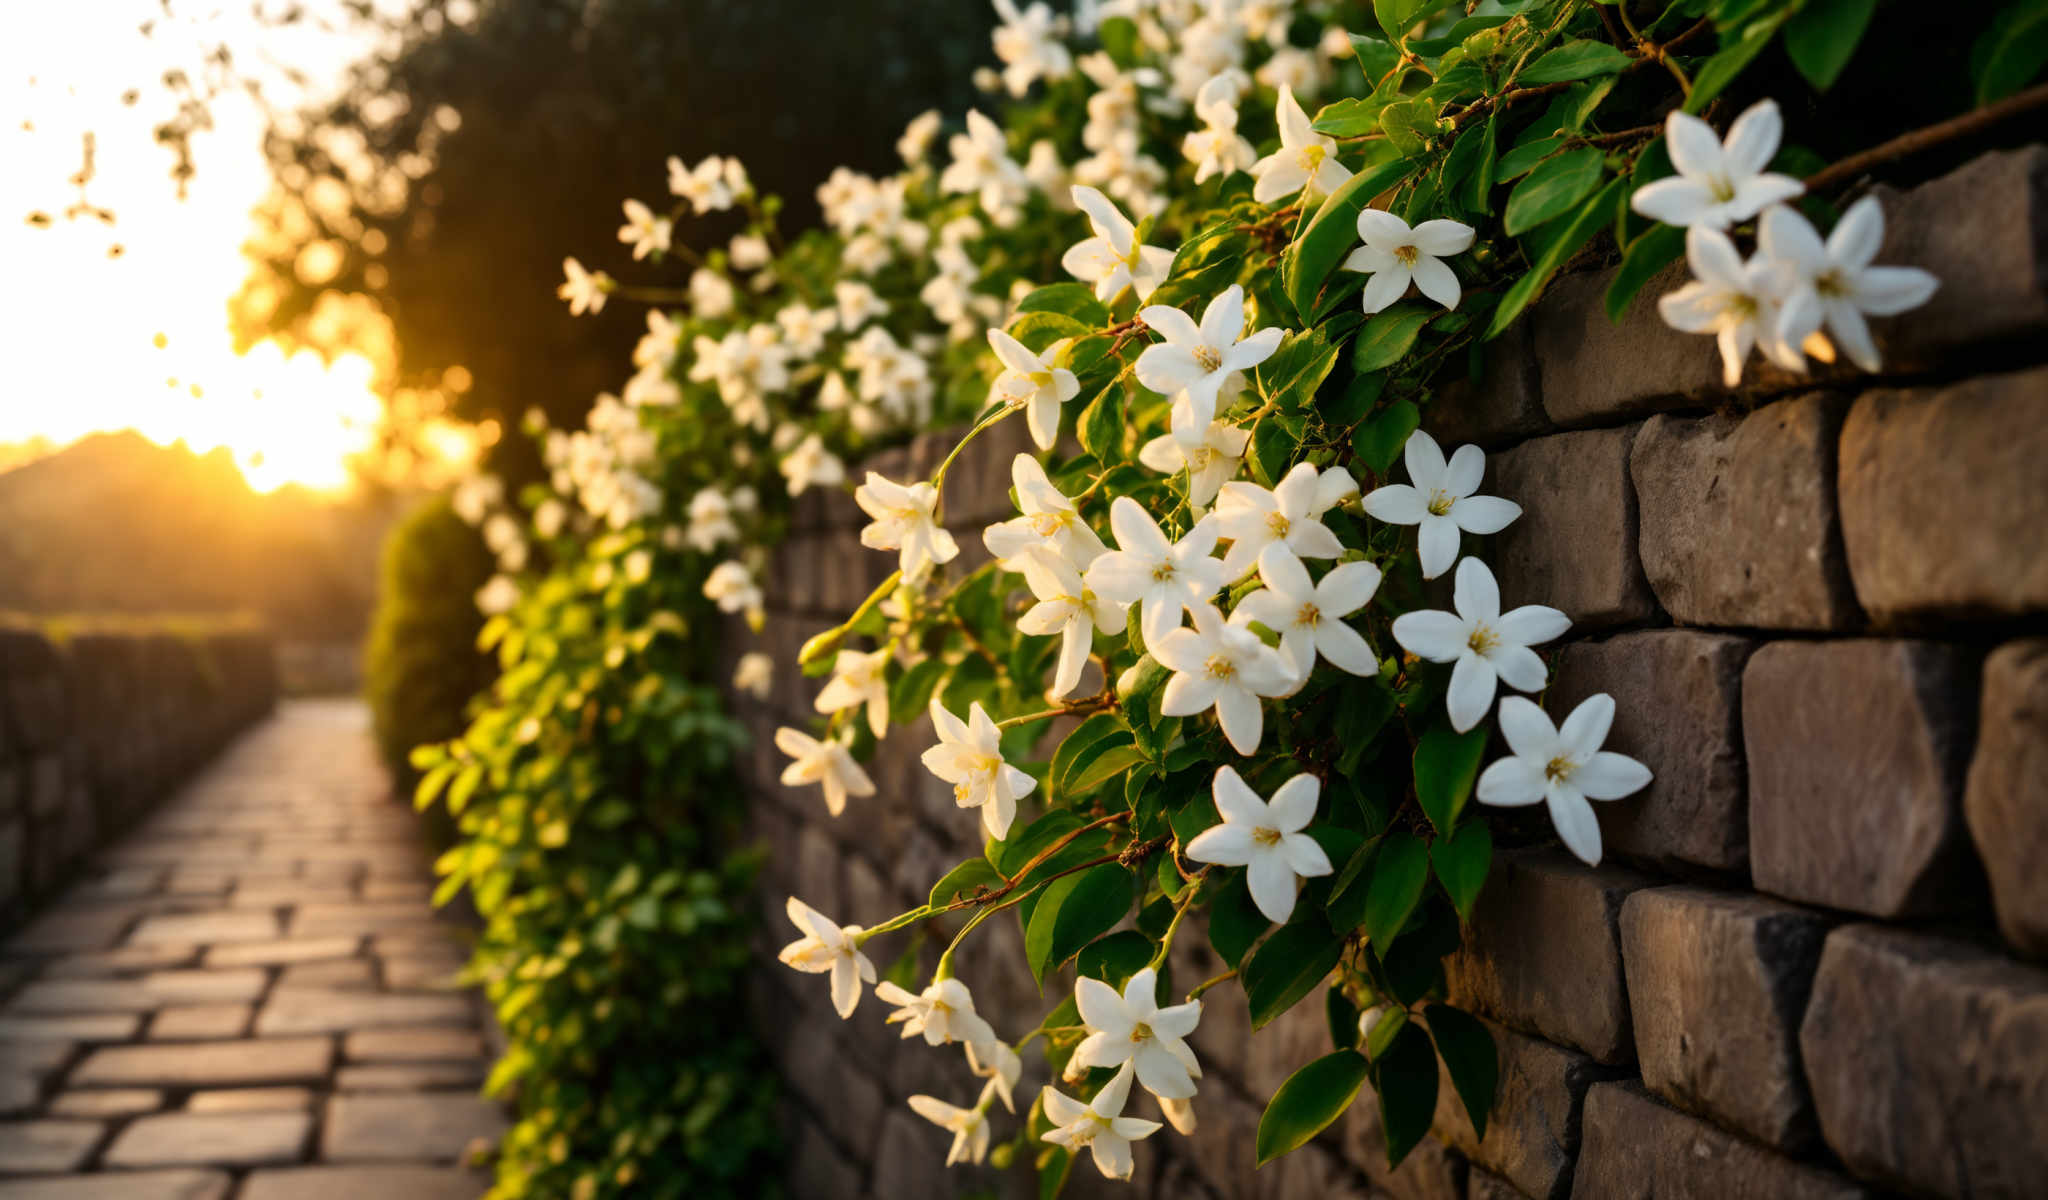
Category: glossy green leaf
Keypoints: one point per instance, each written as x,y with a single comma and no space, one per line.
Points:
2011,53
1332,232
1580,59
1658,248
1554,188
1388,336
1073,911
1729,61
1290,378
1349,117
1288,965
1446,765
1342,1017
1461,862
1398,875
1037,330
1234,921
1823,36
1114,959
1378,442
1102,425
911,692
1469,1058
1385,1028
1405,1078
1376,56
1076,300
964,880
1101,726
1309,1101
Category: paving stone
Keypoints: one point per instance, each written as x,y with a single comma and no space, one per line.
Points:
182,1139
356,1183
124,1185
1928,1061
2006,801
123,960
200,1022
1718,984
39,1147
1857,751
347,974
207,927
1543,952
214,984
429,1126
275,953
257,1099
1738,520
80,1027
209,1064
1533,1132
1942,497
1634,1147
1677,706
72,929
422,974
110,1102
412,1045
410,1077
1574,546
322,1010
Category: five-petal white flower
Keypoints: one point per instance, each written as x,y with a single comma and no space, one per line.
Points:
828,947
1209,463
644,231
1194,360
1738,302
1563,768
1050,522
1439,499
1487,645
1099,1125
1133,1028
584,290
1308,616
943,1012
826,764
1031,382
1069,606
1305,160
905,521
1834,281
1225,666
1254,518
970,757
1160,577
859,678
1264,838
969,1127
1113,259
1396,256
1718,183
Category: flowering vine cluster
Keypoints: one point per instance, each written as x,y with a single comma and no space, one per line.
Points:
1237,655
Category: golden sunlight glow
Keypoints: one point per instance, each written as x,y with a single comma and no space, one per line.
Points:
332,416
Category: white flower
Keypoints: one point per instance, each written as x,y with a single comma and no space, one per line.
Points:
1286,516
710,294
645,232
710,520
981,165
1099,1125
1305,160
859,678
1485,643
824,763
918,137
1833,282
475,496
1265,839
804,328
705,186
970,757
1000,1065
969,1127
1439,499
827,946
943,1012
1718,184
1028,43
731,586
497,596
1159,576
1133,1028
811,465
1050,522
1397,256
858,305
754,675
1563,768
1113,259
1309,616
1194,360
904,521
1209,463
1069,606
1030,381
1225,666
1739,303
584,290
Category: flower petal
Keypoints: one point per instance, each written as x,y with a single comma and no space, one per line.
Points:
1470,693
1610,776
1692,144
1484,514
1223,320
1101,1007
1294,805
1475,595
1225,845
1383,230
1531,624
1396,504
1519,667
1432,634
1385,287
1511,783
1576,824
1436,281
1585,728
1242,718
1753,139
1528,730
1438,542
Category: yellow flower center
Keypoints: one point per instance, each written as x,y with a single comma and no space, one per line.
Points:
1482,639
1406,255
1220,667
1141,1032
1311,158
1209,358
961,792
1831,285
1277,524
1559,769
1309,615
1266,836
1440,502
1046,524
1163,573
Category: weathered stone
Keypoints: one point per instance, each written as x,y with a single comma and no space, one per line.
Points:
125,1185
1928,1061
410,1077
48,1146
200,1021
1500,404
208,1064
318,1010
412,1045
355,1183
1282,1045
910,1159
2007,798
1978,229
1857,751
120,961
1309,1171
1543,952
78,1027
1533,1131
262,1099
109,1102
425,1127
1717,984
1430,1172
206,928
438,973
184,1139
850,1103
1485,1185
1738,520
346,974
1595,370
1635,1147
72,929
1677,706
1944,499
1574,546
1226,1149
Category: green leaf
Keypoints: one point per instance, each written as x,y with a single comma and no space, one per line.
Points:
1073,911
911,692
1553,188
1357,399
1102,425
1656,249
1290,378
1376,56
1076,300
1342,1017
1023,845
1379,440
1461,862
1446,764
1349,117
963,880
1823,36
1410,125
1114,959
1591,216
1037,330
1084,738
1405,1077
1469,1057
1234,921
1397,17
1398,876
1388,336
1101,763
1479,186
1273,447
1119,38
1728,62
1309,1101
1384,1030
1288,965
1332,232
1581,59
1346,906
2012,52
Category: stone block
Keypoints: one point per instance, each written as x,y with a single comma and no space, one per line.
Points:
260,1099
350,974
1594,370
1500,403
2006,801
1485,1185
910,1159
1574,546
1857,751
1717,985
1739,526
1928,1061
1310,1171
436,1127
1543,952
977,490
182,1184
122,960
1225,1148
320,1010
412,1045
817,1168
48,1146
107,1102
208,1064
1533,1132
1677,707
186,1139
1944,499
1635,1147
73,1027
205,928
197,1022
410,1077
1978,228
847,1100
354,1183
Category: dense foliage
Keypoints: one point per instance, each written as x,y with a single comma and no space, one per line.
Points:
421,666
1226,392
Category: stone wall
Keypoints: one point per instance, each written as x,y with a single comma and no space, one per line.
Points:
1812,964
97,726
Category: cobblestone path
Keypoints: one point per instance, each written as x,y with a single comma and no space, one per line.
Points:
248,997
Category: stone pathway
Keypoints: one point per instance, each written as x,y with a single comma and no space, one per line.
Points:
248,997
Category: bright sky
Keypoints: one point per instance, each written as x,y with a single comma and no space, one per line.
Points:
78,329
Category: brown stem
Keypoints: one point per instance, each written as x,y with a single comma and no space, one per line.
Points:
1620,135
1907,144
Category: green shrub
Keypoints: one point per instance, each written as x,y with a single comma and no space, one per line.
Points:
421,665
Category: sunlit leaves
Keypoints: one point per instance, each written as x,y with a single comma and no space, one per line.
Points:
1309,1101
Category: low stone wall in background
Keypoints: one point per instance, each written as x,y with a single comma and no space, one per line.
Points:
1812,965
95,727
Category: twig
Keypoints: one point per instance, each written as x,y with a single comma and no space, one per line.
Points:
1907,144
